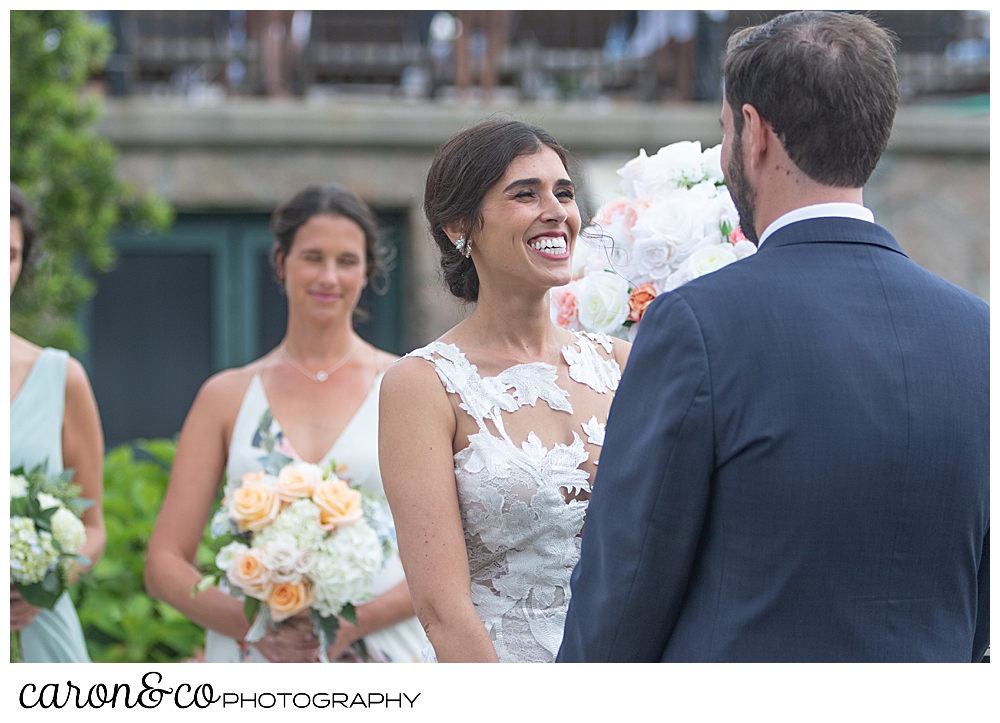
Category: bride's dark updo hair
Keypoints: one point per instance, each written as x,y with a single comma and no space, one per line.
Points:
463,170
332,200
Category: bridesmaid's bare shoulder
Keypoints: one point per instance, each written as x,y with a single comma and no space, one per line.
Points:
222,393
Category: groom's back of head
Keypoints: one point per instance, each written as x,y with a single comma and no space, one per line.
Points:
827,84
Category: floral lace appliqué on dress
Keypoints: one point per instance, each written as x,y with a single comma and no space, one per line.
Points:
520,503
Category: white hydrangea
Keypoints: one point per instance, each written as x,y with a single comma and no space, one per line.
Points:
32,553
345,565
68,530
223,524
300,521
18,486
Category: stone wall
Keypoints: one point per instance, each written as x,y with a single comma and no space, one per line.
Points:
931,190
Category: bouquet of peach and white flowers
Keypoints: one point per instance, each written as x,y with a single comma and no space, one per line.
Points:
674,222
297,537
46,535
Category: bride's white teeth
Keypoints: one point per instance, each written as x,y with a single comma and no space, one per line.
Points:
549,243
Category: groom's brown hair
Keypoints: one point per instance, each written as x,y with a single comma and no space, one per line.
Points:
827,84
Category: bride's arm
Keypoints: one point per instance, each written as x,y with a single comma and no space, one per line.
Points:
416,438
170,560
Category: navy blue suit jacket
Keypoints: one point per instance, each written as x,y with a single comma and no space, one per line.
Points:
796,466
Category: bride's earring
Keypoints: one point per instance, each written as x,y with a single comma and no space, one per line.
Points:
463,246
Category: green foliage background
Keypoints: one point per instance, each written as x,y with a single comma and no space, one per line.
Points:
121,623
65,170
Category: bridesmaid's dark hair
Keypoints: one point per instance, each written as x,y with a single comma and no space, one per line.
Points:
21,210
463,171
332,200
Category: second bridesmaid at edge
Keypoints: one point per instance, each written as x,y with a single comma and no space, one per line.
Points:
321,386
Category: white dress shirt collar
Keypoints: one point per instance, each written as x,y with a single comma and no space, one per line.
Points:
819,210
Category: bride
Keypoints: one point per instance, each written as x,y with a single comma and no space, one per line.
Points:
489,437
319,391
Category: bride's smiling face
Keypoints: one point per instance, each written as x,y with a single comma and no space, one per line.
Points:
324,271
530,222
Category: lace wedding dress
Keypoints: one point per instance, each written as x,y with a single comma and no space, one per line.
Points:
523,503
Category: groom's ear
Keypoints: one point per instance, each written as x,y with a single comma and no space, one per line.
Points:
758,138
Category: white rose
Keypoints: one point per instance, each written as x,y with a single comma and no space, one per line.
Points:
47,501
682,222
68,530
305,561
224,558
709,259
678,278
18,486
653,258
742,249
631,172
603,302
280,554
678,165
711,160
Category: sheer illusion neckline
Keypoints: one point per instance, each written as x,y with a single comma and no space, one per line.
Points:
343,433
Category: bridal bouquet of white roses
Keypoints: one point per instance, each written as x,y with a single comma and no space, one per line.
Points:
46,535
674,222
297,537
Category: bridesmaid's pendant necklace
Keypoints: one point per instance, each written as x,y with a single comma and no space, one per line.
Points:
323,375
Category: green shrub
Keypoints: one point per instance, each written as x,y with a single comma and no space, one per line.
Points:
121,623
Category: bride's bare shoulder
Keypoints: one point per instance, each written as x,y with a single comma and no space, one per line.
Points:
412,380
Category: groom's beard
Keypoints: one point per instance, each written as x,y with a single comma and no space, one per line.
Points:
744,195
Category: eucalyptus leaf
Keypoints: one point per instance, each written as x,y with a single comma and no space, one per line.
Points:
250,607
329,624
51,582
38,596
349,614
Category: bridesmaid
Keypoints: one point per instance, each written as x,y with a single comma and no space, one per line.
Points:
53,419
321,387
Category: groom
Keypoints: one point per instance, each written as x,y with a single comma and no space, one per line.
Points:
796,466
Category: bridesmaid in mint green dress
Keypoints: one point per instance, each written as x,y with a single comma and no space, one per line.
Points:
53,420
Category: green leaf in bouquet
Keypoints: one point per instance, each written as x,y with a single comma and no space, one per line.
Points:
51,582
250,607
275,461
82,560
38,596
203,584
20,507
725,228
43,521
329,624
349,614
79,504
